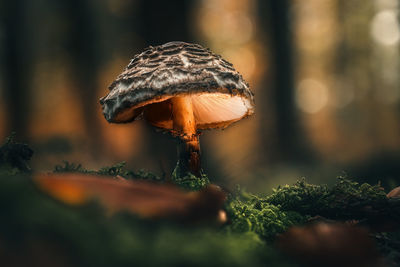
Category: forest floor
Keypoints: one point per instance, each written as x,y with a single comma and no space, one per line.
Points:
78,217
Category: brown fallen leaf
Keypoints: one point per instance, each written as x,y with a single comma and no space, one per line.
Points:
395,193
330,244
144,198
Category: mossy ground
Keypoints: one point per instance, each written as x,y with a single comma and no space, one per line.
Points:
86,236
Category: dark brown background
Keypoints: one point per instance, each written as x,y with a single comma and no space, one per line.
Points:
325,75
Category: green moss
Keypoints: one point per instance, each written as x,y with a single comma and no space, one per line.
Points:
345,200
87,236
300,197
15,155
250,213
70,167
189,181
113,170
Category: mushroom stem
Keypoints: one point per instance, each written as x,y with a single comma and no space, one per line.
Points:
184,126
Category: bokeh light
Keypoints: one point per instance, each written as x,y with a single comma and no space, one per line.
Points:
385,27
311,95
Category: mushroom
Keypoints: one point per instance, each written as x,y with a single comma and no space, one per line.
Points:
181,88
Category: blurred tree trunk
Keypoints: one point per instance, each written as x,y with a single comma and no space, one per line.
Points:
17,67
83,47
288,139
161,22
165,21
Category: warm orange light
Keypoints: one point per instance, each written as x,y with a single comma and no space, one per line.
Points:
63,189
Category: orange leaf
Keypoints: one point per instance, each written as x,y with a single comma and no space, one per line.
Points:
147,199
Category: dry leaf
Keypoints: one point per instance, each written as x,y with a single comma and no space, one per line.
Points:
144,198
395,193
330,244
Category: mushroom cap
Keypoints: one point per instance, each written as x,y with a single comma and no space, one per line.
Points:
219,94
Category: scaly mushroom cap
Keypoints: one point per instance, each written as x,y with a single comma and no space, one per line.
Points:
218,93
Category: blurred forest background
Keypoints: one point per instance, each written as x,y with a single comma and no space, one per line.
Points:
325,76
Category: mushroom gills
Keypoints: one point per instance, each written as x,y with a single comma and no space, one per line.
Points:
208,108
214,108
